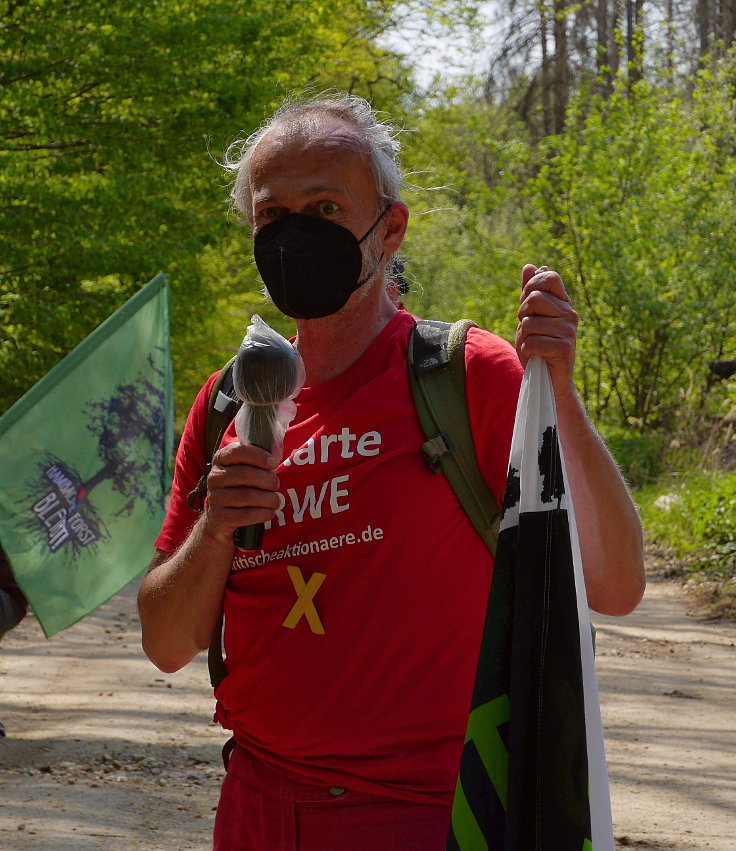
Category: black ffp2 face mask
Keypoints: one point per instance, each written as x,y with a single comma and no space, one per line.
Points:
310,265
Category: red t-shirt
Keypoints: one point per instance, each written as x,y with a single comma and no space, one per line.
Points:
366,681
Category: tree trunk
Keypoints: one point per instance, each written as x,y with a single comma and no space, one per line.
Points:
560,65
615,25
601,26
546,87
634,39
103,473
702,14
728,21
603,58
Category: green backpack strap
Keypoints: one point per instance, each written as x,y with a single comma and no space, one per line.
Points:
437,379
221,408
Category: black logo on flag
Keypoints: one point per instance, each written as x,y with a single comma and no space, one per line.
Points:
550,469
129,427
58,513
512,494
553,487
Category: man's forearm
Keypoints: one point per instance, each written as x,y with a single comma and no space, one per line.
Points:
180,599
608,523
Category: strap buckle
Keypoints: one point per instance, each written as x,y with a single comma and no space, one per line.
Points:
434,449
196,498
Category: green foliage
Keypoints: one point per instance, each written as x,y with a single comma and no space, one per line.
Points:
461,247
634,203
113,117
103,156
699,522
108,114
639,456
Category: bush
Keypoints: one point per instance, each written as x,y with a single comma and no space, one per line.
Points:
638,455
698,522
634,203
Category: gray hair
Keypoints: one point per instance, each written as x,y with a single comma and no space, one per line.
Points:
381,143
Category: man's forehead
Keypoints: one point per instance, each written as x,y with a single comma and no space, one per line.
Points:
330,137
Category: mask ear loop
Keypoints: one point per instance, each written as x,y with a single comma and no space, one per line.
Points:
365,236
375,224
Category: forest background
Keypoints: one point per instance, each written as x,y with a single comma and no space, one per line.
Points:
596,136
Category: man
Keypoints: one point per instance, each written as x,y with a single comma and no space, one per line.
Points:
13,605
351,646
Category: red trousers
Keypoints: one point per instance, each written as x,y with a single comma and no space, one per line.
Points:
260,810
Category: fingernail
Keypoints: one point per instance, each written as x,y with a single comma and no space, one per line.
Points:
543,269
272,462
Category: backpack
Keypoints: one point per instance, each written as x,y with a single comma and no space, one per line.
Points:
436,364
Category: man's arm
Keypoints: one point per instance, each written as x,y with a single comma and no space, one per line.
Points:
180,598
610,532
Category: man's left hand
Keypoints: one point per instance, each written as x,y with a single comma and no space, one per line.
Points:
547,325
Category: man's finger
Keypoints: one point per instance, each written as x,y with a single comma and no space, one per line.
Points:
238,453
242,475
556,351
545,281
541,303
237,498
527,273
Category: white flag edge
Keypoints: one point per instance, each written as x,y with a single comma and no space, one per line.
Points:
535,412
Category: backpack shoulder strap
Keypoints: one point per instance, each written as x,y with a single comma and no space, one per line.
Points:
222,406
437,379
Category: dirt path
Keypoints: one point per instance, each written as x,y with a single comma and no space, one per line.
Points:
102,749
667,697
105,752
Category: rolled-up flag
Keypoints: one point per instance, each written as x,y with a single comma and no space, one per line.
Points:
533,771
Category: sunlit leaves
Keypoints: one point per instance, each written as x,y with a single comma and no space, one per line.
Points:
635,201
112,116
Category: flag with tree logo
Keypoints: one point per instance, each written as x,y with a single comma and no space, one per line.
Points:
84,462
533,772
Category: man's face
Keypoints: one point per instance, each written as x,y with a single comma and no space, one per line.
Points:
323,173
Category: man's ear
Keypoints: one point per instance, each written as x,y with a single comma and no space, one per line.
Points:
396,220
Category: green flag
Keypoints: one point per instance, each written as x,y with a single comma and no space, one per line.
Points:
84,464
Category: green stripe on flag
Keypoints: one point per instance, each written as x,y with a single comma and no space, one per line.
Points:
484,735
483,725
468,835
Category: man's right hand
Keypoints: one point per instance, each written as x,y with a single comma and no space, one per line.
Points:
241,489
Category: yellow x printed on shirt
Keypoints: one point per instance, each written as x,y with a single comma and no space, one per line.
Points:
304,603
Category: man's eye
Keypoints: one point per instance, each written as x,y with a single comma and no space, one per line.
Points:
327,208
268,214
